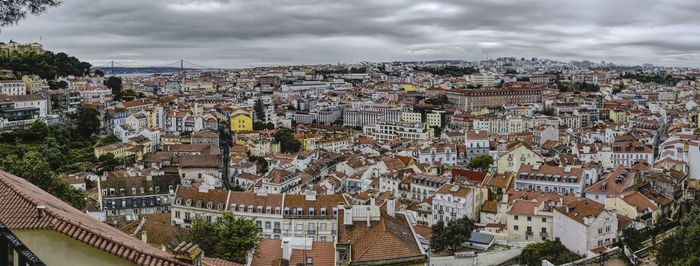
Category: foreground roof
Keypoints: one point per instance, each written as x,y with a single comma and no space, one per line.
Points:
19,200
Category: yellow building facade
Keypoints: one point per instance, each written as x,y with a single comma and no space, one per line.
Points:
241,120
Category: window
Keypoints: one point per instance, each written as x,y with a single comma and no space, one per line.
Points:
323,227
529,219
309,260
607,229
157,189
515,217
600,230
544,219
515,228
177,214
300,227
133,191
268,225
210,205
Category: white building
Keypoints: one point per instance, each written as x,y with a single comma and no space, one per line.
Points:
452,202
13,87
445,153
564,180
584,225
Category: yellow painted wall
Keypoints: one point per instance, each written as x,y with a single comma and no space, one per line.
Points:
408,88
530,157
54,248
241,122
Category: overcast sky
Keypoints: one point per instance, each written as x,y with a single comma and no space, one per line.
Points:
243,33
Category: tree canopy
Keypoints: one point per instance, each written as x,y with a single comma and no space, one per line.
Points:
288,144
553,251
115,84
228,238
259,110
88,122
15,10
481,162
454,71
451,236
682,247
47,65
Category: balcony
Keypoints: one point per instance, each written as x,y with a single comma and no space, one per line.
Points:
277,231
543,234
311,232
187,221
11,247
333,232
529,233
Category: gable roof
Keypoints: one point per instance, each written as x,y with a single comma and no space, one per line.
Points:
21,198
390,237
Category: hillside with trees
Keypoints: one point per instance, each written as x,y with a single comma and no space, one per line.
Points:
47,65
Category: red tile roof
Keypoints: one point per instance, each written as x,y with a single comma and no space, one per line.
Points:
20,198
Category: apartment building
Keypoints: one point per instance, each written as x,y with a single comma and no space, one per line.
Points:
630,153
584,225
612,183
444,153
468,100
12,87
398,130
132,195
565,180
452,202
476,143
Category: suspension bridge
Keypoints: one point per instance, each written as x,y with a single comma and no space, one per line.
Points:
181,64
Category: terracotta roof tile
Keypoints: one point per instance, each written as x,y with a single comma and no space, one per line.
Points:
20,198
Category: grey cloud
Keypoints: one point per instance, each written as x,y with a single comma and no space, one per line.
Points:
230,33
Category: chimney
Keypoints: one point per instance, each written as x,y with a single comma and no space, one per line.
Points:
40,210
144,237
310,195
391,206
286,249
369,210
347,215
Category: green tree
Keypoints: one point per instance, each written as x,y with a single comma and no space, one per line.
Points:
128,93
115,84
106,140
14,10
681,247
553,251
88,122
259,109
38,130
34,168
633,238
99,73
287,141
481,162
108,162
548,111
437,236
228,238
457,232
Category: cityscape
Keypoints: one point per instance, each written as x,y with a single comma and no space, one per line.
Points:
123,156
